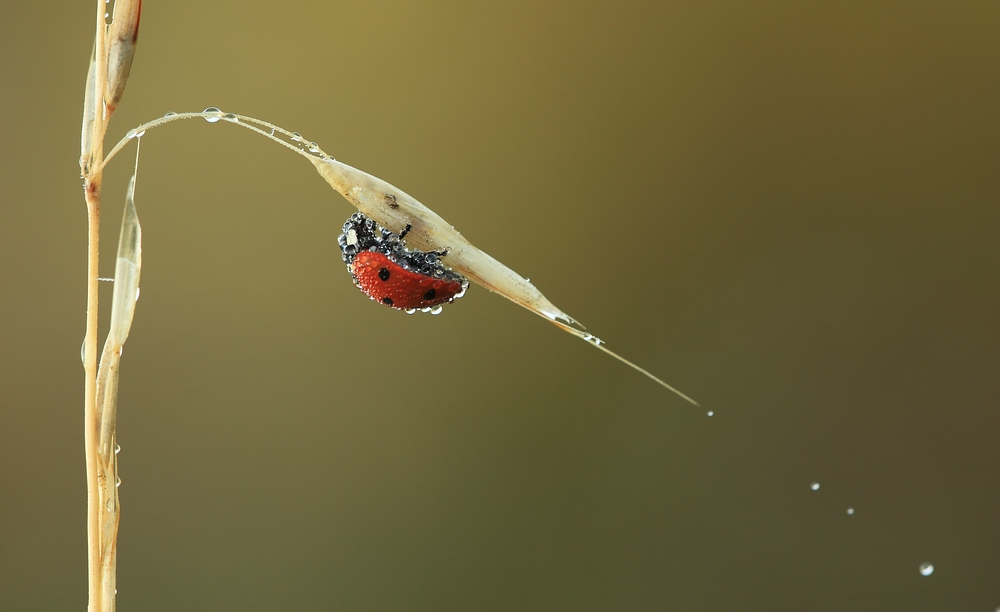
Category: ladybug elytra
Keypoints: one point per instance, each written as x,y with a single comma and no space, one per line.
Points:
389,273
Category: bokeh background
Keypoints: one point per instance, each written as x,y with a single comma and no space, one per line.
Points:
788,210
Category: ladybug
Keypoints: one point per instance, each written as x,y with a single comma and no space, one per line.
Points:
389,273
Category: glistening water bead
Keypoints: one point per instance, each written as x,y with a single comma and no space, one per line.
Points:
212,109
814,486
926,569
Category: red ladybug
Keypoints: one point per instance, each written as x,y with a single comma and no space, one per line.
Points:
387,272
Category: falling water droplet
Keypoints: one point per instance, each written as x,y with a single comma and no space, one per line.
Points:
212,109
814,486
711,413
850,511
926,569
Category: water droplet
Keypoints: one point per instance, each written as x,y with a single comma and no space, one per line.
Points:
313,147
136,294
170,114
814,486
711,413
106,15
212,109
296,137
428,309
118,448
926,569
231,118
118,481
130,134
140,134
850,510
121,350
410,310
437,310
110,505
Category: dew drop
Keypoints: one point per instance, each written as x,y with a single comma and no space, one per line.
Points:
140,134
170,114
118,482
850,511
110,505
428,309
711,413
137,294
437,310
212,109
410,310
926,569
313,147
118,448
814,486
83,352
296,137
130,134
231,118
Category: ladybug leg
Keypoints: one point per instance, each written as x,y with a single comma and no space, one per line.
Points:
406,230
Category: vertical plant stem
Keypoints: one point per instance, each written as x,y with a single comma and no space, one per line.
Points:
94,127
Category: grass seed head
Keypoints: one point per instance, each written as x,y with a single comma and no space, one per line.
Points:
122,36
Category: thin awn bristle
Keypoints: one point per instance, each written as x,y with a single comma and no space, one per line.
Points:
597,342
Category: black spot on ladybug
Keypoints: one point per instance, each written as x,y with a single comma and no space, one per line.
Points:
387,301
430,294
384,274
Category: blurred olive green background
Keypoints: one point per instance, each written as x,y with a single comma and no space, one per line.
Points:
788,210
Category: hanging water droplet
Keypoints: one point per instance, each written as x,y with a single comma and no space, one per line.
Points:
140,134
437,310
926,569
711,413
296,137
212,109
118,481
130,134
313,147
118,448
814,486
410,310
850,511
169,114
231,118
428,309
